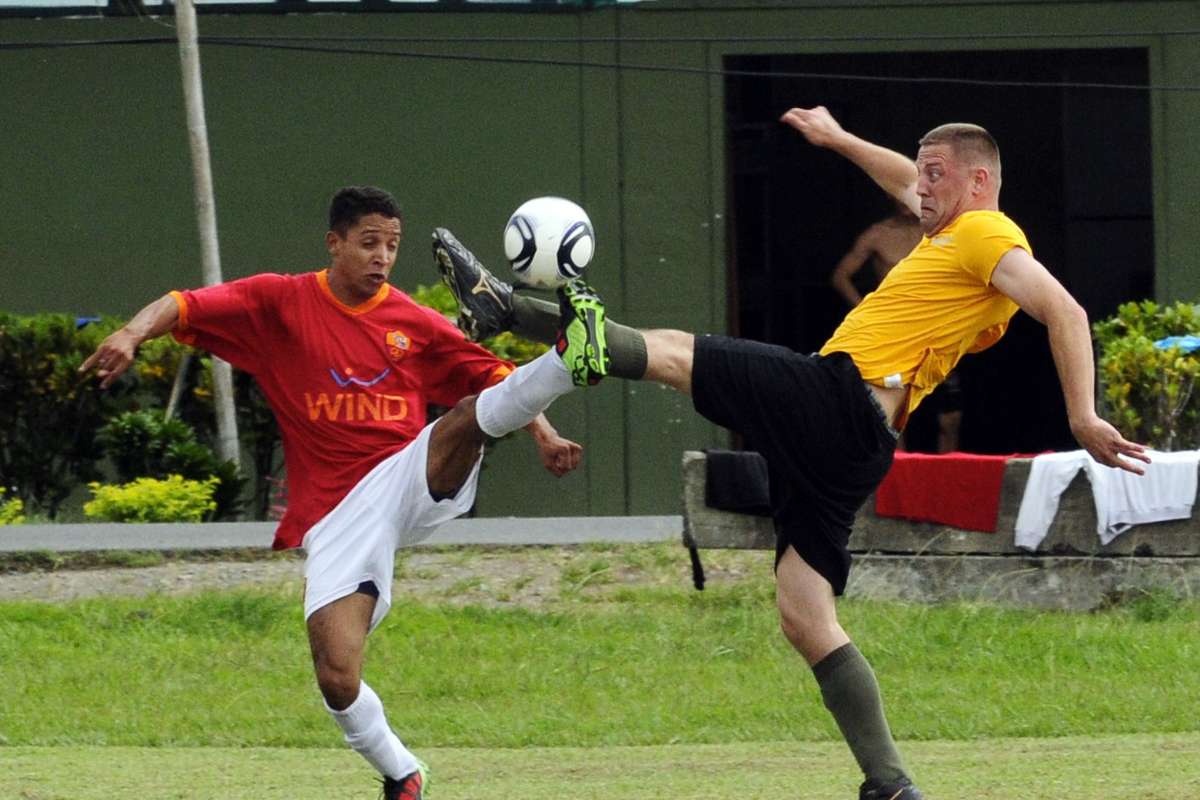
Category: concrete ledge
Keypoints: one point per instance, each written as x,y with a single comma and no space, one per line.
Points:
897,559
237,535
1055,582
1072,533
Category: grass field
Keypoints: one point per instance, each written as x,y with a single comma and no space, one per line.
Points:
632,688
1142,767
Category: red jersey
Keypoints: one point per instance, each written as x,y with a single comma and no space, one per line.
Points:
348,385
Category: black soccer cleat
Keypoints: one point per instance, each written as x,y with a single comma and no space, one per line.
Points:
900,790
485,306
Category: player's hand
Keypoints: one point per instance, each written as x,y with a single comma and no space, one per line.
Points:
112,357
559,455
1107,446
817,125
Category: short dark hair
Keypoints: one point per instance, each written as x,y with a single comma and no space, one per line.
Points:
969,141
352,203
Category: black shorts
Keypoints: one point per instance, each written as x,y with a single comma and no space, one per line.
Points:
825,440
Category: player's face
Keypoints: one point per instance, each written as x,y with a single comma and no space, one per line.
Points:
363,258
943,184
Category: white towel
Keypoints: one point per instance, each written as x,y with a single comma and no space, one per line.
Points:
1049,476
1167,491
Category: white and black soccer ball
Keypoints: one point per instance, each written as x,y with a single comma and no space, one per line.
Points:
548,241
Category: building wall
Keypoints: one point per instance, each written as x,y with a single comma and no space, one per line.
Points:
98,213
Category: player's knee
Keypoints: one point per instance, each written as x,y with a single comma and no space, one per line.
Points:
463,410
338,683
454,447
456,428
801,629
462,421
792,626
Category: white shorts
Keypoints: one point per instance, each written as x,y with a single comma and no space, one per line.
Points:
389,508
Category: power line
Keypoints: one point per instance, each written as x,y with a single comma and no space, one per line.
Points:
635,40
307,44
791,38
719,72
66,44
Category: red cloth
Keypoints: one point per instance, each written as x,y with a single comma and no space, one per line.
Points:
348,385
957,489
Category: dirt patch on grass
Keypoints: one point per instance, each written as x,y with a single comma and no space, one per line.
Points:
530,577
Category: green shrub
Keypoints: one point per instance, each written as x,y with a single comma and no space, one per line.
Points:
142,444
50,414
173,499
1146,391
11,510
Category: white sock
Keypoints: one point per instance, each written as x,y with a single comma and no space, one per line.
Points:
367,731
516,401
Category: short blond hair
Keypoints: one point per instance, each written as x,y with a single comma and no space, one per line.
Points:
970,142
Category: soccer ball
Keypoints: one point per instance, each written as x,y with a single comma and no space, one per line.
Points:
548,241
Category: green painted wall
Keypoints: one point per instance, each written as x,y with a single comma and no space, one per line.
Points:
97,209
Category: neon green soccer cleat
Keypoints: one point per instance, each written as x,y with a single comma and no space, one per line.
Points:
581,343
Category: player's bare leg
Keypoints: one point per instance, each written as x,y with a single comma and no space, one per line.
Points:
808,617
807,610
455,444
669,356
337,636
338,632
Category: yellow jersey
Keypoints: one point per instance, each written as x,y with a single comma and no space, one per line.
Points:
936,305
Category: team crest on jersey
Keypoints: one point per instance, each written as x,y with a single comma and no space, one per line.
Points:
398,344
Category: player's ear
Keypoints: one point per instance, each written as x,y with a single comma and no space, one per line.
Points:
332,241
979,178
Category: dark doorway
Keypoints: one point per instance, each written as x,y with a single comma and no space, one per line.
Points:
1076,179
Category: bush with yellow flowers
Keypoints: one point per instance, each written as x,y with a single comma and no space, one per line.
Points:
170,499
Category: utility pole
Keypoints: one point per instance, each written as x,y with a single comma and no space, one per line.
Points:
206,215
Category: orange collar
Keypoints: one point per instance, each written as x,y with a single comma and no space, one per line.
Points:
361,308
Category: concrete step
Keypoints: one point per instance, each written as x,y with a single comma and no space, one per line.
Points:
1052,582
235,535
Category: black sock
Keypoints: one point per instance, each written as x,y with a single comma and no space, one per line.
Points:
851,694
537,320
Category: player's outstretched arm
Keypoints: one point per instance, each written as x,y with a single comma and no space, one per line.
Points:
1030,285
895,173
559,455
114,355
